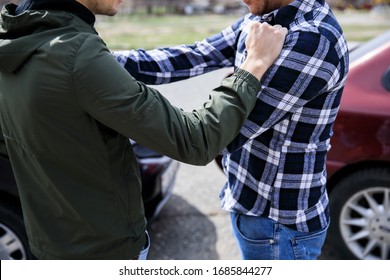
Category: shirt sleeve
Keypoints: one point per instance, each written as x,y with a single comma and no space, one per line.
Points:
165,65
308,66
114,98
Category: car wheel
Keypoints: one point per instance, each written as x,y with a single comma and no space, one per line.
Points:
13,238
360,216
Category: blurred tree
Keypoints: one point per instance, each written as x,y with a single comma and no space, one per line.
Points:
177,6
357,4
158,6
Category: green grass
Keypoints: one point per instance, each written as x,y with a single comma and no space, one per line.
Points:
128,32
361,33
148,32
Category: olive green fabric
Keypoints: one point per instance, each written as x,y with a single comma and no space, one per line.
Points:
67,112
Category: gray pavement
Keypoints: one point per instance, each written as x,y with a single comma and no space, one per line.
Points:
192,225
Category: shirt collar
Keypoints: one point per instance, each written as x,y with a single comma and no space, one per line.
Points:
287,14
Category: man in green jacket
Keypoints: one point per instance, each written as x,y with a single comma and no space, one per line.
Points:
68,110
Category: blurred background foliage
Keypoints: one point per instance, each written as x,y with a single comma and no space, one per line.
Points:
159,23
161,7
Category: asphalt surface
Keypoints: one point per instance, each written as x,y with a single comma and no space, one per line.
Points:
192,224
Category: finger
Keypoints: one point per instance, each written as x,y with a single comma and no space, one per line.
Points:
278,26
283,31
280,29
253,26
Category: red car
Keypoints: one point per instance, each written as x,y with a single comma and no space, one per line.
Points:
358,163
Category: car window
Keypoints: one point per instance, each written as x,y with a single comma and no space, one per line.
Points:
365,48
386,79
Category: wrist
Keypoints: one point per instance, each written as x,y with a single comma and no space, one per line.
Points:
256,67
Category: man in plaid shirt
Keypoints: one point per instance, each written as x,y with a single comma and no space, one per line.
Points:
276,187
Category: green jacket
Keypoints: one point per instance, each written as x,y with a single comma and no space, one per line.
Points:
67,112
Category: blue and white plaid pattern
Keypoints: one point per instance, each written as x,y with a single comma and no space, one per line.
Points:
276,165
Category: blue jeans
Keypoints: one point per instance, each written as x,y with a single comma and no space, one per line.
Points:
264,239
143,255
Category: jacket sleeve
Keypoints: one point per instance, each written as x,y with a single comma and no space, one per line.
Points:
113,97
165,65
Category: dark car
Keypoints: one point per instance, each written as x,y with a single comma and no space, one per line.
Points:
358,163
158,174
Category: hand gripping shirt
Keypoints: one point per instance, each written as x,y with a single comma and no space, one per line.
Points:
276,166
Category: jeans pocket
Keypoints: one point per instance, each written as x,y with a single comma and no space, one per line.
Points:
308,247
254,236
254,229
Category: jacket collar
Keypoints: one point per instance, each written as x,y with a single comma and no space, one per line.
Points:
71,6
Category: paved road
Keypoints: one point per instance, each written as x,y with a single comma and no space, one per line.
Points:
192,225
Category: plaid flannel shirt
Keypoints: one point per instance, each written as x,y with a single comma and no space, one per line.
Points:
276,165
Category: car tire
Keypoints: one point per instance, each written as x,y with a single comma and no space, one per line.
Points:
13,237
360,216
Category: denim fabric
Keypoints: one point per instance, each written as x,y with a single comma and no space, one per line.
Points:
143,255
264,239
